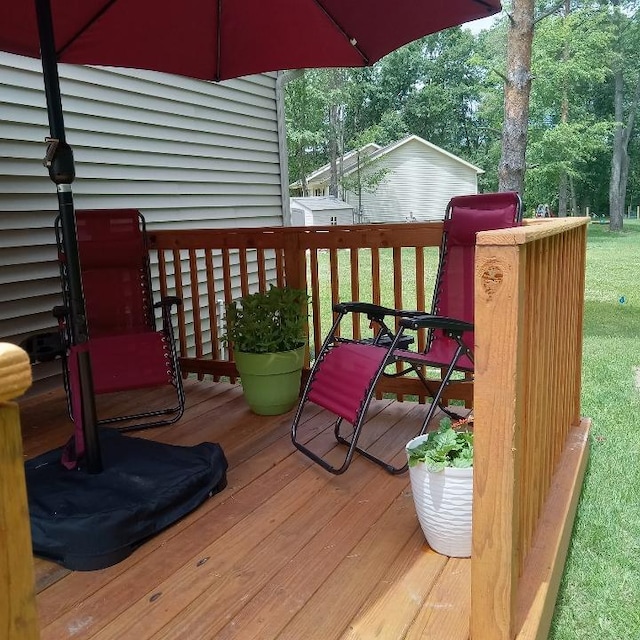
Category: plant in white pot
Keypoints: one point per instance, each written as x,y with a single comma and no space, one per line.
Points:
267,331
441,473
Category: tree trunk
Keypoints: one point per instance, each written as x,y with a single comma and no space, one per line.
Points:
335,125
563,186
563,194
302,162
333,150
574,200
616,198
622,135
516,97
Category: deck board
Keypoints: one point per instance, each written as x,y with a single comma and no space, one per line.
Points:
286,551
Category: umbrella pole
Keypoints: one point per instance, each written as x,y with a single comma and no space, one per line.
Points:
59,161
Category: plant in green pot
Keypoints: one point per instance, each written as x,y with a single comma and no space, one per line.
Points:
441,473
267,331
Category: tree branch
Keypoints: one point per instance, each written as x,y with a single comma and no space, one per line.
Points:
554,9
632,113
500,75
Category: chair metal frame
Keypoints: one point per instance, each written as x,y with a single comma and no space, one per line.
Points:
389,346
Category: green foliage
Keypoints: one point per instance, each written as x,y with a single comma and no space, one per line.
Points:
570,65
268,322
306,112
445,447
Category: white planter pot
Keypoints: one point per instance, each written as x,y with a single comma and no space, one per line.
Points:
443,501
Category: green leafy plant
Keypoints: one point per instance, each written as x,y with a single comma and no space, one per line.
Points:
445,447
267,322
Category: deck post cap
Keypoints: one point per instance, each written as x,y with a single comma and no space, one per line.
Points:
15,371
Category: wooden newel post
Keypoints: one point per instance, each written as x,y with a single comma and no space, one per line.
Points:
18,616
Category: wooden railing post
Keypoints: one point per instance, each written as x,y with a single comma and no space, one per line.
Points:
531,446
18,618
498,338
295,261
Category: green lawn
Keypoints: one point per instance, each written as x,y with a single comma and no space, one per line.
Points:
599,597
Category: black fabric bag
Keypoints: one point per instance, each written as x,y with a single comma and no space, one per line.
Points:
91,521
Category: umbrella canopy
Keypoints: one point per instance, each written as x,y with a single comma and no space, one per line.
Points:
207,39
218,39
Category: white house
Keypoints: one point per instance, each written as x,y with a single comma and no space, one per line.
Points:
320,211
186,153
420,180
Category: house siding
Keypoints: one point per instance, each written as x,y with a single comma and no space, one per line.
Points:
420,181
186,153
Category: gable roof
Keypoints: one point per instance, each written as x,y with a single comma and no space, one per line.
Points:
376,151
321,203
348,160
390,148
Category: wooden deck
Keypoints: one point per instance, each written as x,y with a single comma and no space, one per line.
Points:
285,551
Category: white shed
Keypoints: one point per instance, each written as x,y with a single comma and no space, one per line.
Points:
320,211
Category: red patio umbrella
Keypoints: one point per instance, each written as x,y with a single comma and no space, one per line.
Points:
221,39
208,39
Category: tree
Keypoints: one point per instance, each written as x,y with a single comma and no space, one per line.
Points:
305,105
626,31
367,173
570,65
517,89
443,108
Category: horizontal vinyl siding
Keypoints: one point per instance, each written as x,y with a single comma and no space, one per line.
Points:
420,181
186,153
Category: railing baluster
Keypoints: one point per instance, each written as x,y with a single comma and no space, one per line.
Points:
355,290
375,275
182,329
195,298
280,280
244,273
262,270
162,272
212,307
315,302
334,278
228,292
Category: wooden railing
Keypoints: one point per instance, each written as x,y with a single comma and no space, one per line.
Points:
393,265
18,616
530,441
531,444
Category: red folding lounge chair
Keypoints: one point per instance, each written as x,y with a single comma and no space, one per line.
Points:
127,352
345,373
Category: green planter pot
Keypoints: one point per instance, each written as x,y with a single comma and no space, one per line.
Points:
271,381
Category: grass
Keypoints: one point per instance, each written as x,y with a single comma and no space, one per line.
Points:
598,595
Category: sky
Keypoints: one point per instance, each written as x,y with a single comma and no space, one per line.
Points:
484,23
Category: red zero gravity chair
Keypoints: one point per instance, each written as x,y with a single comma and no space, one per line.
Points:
345,372
127,352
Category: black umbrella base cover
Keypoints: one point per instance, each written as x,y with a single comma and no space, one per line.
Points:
91,521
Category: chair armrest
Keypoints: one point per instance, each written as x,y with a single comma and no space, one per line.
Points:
167,302
60,311
373,311
427,321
